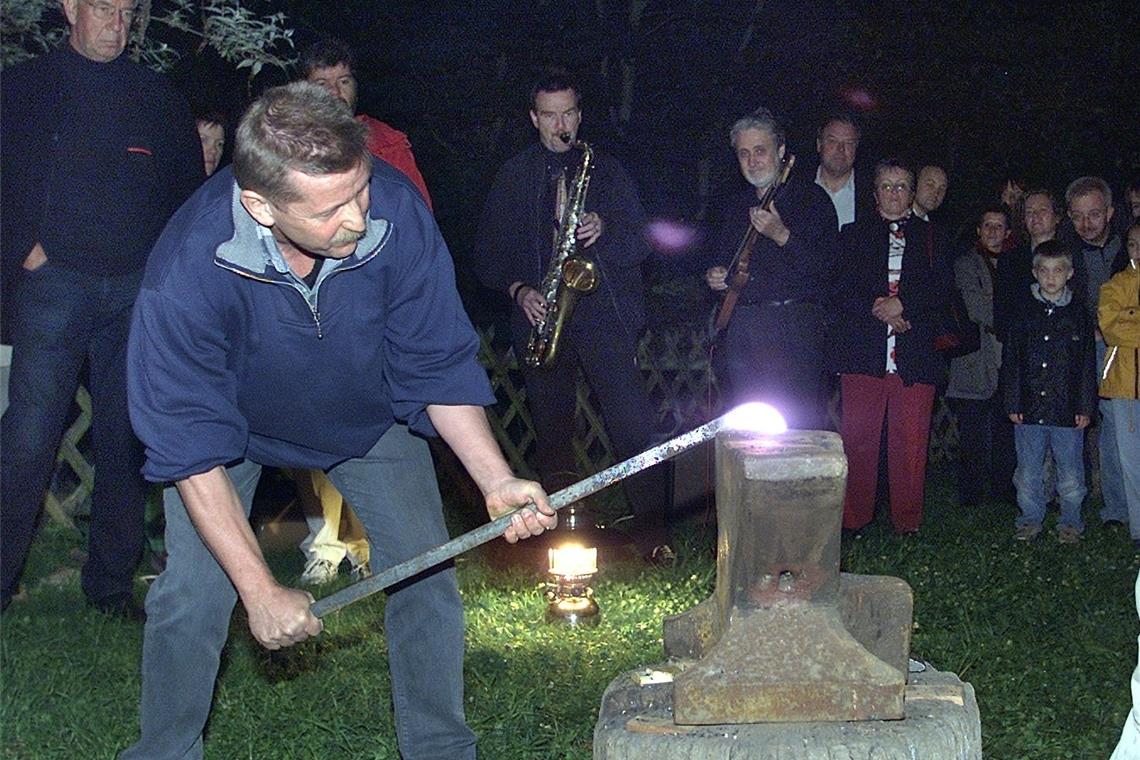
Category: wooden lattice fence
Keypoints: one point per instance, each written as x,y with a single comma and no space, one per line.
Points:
680,381
678,376
74,476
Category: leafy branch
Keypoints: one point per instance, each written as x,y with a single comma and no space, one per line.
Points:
238,35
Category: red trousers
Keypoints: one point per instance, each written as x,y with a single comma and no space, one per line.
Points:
866,400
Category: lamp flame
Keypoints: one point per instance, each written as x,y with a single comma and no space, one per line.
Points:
756,417
573,560
571,600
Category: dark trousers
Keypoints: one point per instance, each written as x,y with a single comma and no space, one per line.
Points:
61,320
608,360
772,354
985,449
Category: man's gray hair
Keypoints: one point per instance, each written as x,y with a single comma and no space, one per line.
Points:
761,119
299,127
1085,185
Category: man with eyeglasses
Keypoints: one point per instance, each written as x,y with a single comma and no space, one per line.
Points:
96,153
517,236
895,293
1099,255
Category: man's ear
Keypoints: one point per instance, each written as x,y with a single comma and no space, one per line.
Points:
70,10
257,206
780,153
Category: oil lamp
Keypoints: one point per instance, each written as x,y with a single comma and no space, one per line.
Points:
571,600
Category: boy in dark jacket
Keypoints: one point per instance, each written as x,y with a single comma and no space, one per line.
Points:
1048,379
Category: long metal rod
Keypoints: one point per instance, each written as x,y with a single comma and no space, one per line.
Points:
495,528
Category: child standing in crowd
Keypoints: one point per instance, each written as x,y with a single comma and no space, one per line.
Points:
1119,317
1048,377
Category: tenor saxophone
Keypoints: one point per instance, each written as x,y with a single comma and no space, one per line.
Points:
568,276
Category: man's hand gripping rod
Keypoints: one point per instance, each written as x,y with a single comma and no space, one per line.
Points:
495,528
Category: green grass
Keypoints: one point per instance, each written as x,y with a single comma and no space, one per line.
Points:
1045,633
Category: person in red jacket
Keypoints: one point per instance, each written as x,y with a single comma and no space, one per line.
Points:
335,533
331,64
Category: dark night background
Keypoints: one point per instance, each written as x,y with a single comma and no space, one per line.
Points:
1038,91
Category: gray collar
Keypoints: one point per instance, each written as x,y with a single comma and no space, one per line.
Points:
1064,300
253,249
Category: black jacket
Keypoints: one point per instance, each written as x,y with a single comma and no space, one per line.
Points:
799,270
864,185
859,339
1048,368
515,238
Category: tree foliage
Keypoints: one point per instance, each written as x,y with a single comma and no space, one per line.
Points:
22,32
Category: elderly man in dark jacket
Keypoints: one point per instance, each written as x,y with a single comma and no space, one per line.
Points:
96,152
773,344
894,295
1048,380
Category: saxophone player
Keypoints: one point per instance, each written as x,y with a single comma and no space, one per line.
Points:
519,236
771,349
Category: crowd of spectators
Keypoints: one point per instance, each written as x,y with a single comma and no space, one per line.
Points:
854,277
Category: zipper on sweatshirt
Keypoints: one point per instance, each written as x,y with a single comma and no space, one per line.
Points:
316,317
309,295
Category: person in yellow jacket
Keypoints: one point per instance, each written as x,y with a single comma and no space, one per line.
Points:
1119,316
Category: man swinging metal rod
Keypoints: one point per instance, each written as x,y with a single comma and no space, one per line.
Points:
737,418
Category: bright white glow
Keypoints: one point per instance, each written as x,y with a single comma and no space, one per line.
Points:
573,559
756,417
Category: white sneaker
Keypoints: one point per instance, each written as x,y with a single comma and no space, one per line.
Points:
318,572
360,570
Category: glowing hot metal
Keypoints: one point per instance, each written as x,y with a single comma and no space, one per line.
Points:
756,416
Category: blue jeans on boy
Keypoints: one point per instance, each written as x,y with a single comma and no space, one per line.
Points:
394,490
1067,444
62,320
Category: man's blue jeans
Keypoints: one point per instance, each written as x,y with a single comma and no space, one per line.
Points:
1111,475
394,490
63,319
1032,441
1125,414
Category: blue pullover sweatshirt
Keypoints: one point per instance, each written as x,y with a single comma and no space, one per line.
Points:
231,356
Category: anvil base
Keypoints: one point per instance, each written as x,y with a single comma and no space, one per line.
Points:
941,721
